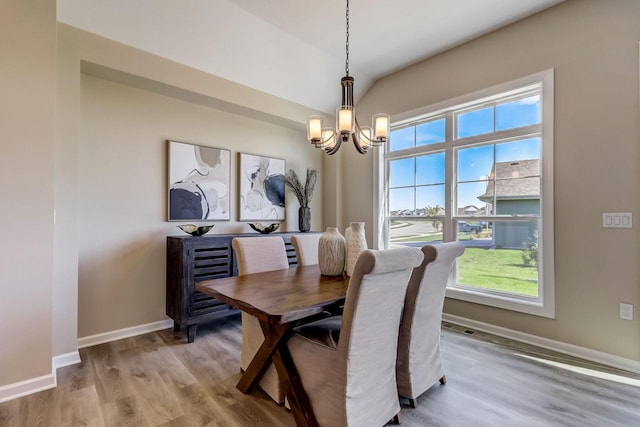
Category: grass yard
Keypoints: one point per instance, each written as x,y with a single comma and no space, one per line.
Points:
497,269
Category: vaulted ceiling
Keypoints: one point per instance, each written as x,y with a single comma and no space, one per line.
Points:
295,49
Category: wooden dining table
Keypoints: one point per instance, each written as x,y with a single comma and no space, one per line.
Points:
280,300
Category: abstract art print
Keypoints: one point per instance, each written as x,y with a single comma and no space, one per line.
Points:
199,180
261,188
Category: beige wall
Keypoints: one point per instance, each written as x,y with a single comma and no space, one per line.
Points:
27,121
112,181
593,46
123,193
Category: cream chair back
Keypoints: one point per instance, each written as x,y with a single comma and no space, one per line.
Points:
306,246
419,364
347,364
256,255
259,254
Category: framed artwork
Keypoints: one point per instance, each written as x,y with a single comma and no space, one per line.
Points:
199,179
261,188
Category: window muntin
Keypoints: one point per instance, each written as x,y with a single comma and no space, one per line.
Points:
502,151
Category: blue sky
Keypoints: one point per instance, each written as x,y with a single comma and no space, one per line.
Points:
474,164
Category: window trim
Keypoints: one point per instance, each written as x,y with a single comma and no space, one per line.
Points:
545,304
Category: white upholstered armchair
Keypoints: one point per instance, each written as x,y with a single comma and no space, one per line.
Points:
347,364
419,364
256,255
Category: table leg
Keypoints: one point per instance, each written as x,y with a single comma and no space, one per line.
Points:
293,389
262,358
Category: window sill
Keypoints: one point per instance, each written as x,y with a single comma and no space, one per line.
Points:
499,300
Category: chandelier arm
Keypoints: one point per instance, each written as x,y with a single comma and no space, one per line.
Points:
355,136
335,149
356,143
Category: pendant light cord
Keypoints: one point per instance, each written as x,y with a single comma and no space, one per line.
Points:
346,63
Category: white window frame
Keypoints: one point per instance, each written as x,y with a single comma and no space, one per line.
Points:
544,305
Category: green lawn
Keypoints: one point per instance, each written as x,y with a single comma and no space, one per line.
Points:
497,269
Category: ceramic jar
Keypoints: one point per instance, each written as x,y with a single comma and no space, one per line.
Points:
356,243
331,252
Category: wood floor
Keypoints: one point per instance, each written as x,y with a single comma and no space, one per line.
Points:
158,379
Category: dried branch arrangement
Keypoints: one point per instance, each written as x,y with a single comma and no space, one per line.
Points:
304,194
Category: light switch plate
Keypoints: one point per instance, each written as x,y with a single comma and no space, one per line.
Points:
617,220
626,311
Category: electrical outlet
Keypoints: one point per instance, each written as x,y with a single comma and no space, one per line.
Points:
626,311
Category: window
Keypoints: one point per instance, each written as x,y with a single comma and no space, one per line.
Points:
479,170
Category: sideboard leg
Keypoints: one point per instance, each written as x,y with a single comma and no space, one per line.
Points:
191,332
176,326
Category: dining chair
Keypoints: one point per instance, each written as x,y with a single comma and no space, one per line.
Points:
346,364
306,246
419,364
256,255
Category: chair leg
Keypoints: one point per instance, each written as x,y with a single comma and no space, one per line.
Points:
443,380
413,403
396,419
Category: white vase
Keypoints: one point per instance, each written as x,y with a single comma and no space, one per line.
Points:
331,252
356,243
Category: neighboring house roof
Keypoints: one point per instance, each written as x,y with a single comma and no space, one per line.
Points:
472,210
513,181
469,210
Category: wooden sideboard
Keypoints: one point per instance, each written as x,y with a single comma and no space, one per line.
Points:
193,259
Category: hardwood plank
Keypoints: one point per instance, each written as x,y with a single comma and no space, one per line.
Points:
77,376
79,407
491,381
157,402
124,412
39,409
10,413
107,373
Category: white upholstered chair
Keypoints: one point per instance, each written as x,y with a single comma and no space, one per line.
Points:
419,364
306,246
256,255
347,364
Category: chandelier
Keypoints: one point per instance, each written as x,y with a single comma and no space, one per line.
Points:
347,125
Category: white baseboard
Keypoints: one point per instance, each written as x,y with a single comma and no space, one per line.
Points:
561,347
23,388
123,333
45,382
66,359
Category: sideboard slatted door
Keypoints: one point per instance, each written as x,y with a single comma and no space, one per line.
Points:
194,259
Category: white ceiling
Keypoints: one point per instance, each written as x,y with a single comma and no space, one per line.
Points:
295,49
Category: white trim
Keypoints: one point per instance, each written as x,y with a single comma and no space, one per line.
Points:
45,382
30,386
380,230
96,339
62,360
559,346
481,95
544,304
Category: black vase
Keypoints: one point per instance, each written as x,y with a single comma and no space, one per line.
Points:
304,219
